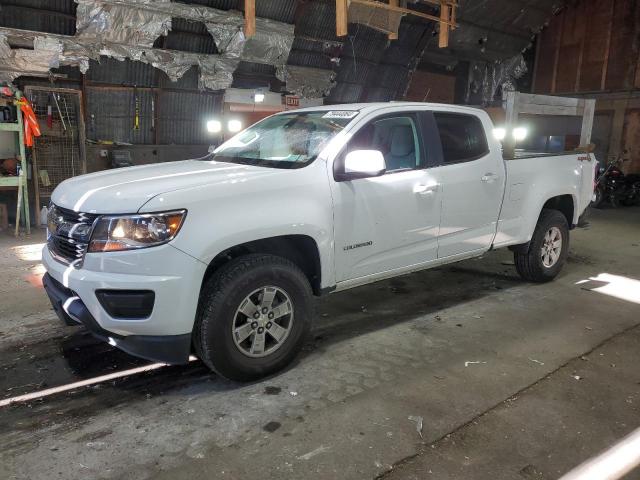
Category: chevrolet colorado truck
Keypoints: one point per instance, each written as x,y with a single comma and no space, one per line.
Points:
221,256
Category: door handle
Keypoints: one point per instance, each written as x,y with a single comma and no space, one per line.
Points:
425,189
489,177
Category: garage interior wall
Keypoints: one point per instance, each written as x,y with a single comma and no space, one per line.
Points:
592,49
133,106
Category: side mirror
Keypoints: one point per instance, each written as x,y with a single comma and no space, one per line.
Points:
362,164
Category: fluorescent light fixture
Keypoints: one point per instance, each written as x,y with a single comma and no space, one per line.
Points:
520,133
499,133
258,97
234,126
214,126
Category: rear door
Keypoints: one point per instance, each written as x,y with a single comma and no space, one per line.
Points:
473,179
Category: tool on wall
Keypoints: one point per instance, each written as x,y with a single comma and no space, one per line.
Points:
136,100
64,125
66,111
49,113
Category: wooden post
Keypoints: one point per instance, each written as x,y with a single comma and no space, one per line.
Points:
605,65
393,3
443,38
587,122
511,121
342,27
249,18
556,55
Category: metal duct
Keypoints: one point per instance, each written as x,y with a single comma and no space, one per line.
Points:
120,23
307,82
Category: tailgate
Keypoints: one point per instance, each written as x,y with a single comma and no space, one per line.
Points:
587,164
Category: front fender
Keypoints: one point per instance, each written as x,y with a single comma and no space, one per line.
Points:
295,202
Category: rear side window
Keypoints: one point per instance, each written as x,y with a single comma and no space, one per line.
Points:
462,137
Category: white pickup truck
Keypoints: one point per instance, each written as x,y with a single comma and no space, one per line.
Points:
220,256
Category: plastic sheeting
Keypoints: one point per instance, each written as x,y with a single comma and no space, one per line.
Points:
216,73
271,44
307,82
44,56
122,26
127,29
487,81
121,23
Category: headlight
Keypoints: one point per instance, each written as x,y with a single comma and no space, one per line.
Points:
127,232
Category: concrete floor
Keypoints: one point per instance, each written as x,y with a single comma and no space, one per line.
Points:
511,380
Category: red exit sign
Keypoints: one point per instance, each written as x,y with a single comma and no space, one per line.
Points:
292,101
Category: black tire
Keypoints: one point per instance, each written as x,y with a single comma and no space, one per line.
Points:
599,200
614,201
223,294
529,264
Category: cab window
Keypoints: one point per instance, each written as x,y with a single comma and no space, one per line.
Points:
396,137
462,137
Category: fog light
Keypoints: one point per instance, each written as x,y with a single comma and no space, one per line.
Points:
127,304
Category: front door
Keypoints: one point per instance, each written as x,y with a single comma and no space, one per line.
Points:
387,222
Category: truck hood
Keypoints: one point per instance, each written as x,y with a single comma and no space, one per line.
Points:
126,190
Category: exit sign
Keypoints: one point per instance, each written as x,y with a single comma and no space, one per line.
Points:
292,100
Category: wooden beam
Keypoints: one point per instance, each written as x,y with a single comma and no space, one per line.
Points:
249,18
443,37
393,3
582,15
511,121
556,54
406,11
342,21
605,65
454,6
587,122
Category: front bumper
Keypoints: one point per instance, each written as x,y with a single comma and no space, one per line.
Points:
173,276
174,349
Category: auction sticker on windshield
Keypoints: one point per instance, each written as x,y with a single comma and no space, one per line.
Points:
340,114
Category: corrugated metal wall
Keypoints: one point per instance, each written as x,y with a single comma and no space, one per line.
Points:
53,16
168,112
182,116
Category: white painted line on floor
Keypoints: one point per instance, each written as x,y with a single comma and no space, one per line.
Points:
83,383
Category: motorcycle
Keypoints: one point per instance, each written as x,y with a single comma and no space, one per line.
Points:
612,186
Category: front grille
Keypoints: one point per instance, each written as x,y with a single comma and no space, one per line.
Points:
75,217
66,249
69,233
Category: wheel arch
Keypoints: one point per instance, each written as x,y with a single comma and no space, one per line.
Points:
302,250
565,204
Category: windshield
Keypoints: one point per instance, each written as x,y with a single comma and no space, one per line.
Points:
290,140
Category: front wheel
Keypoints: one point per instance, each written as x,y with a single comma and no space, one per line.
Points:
253,317
548,249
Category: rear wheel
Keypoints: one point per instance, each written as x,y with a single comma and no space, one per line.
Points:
548,249
253,317
599,198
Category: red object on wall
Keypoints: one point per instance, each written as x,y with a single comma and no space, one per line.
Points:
31,127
